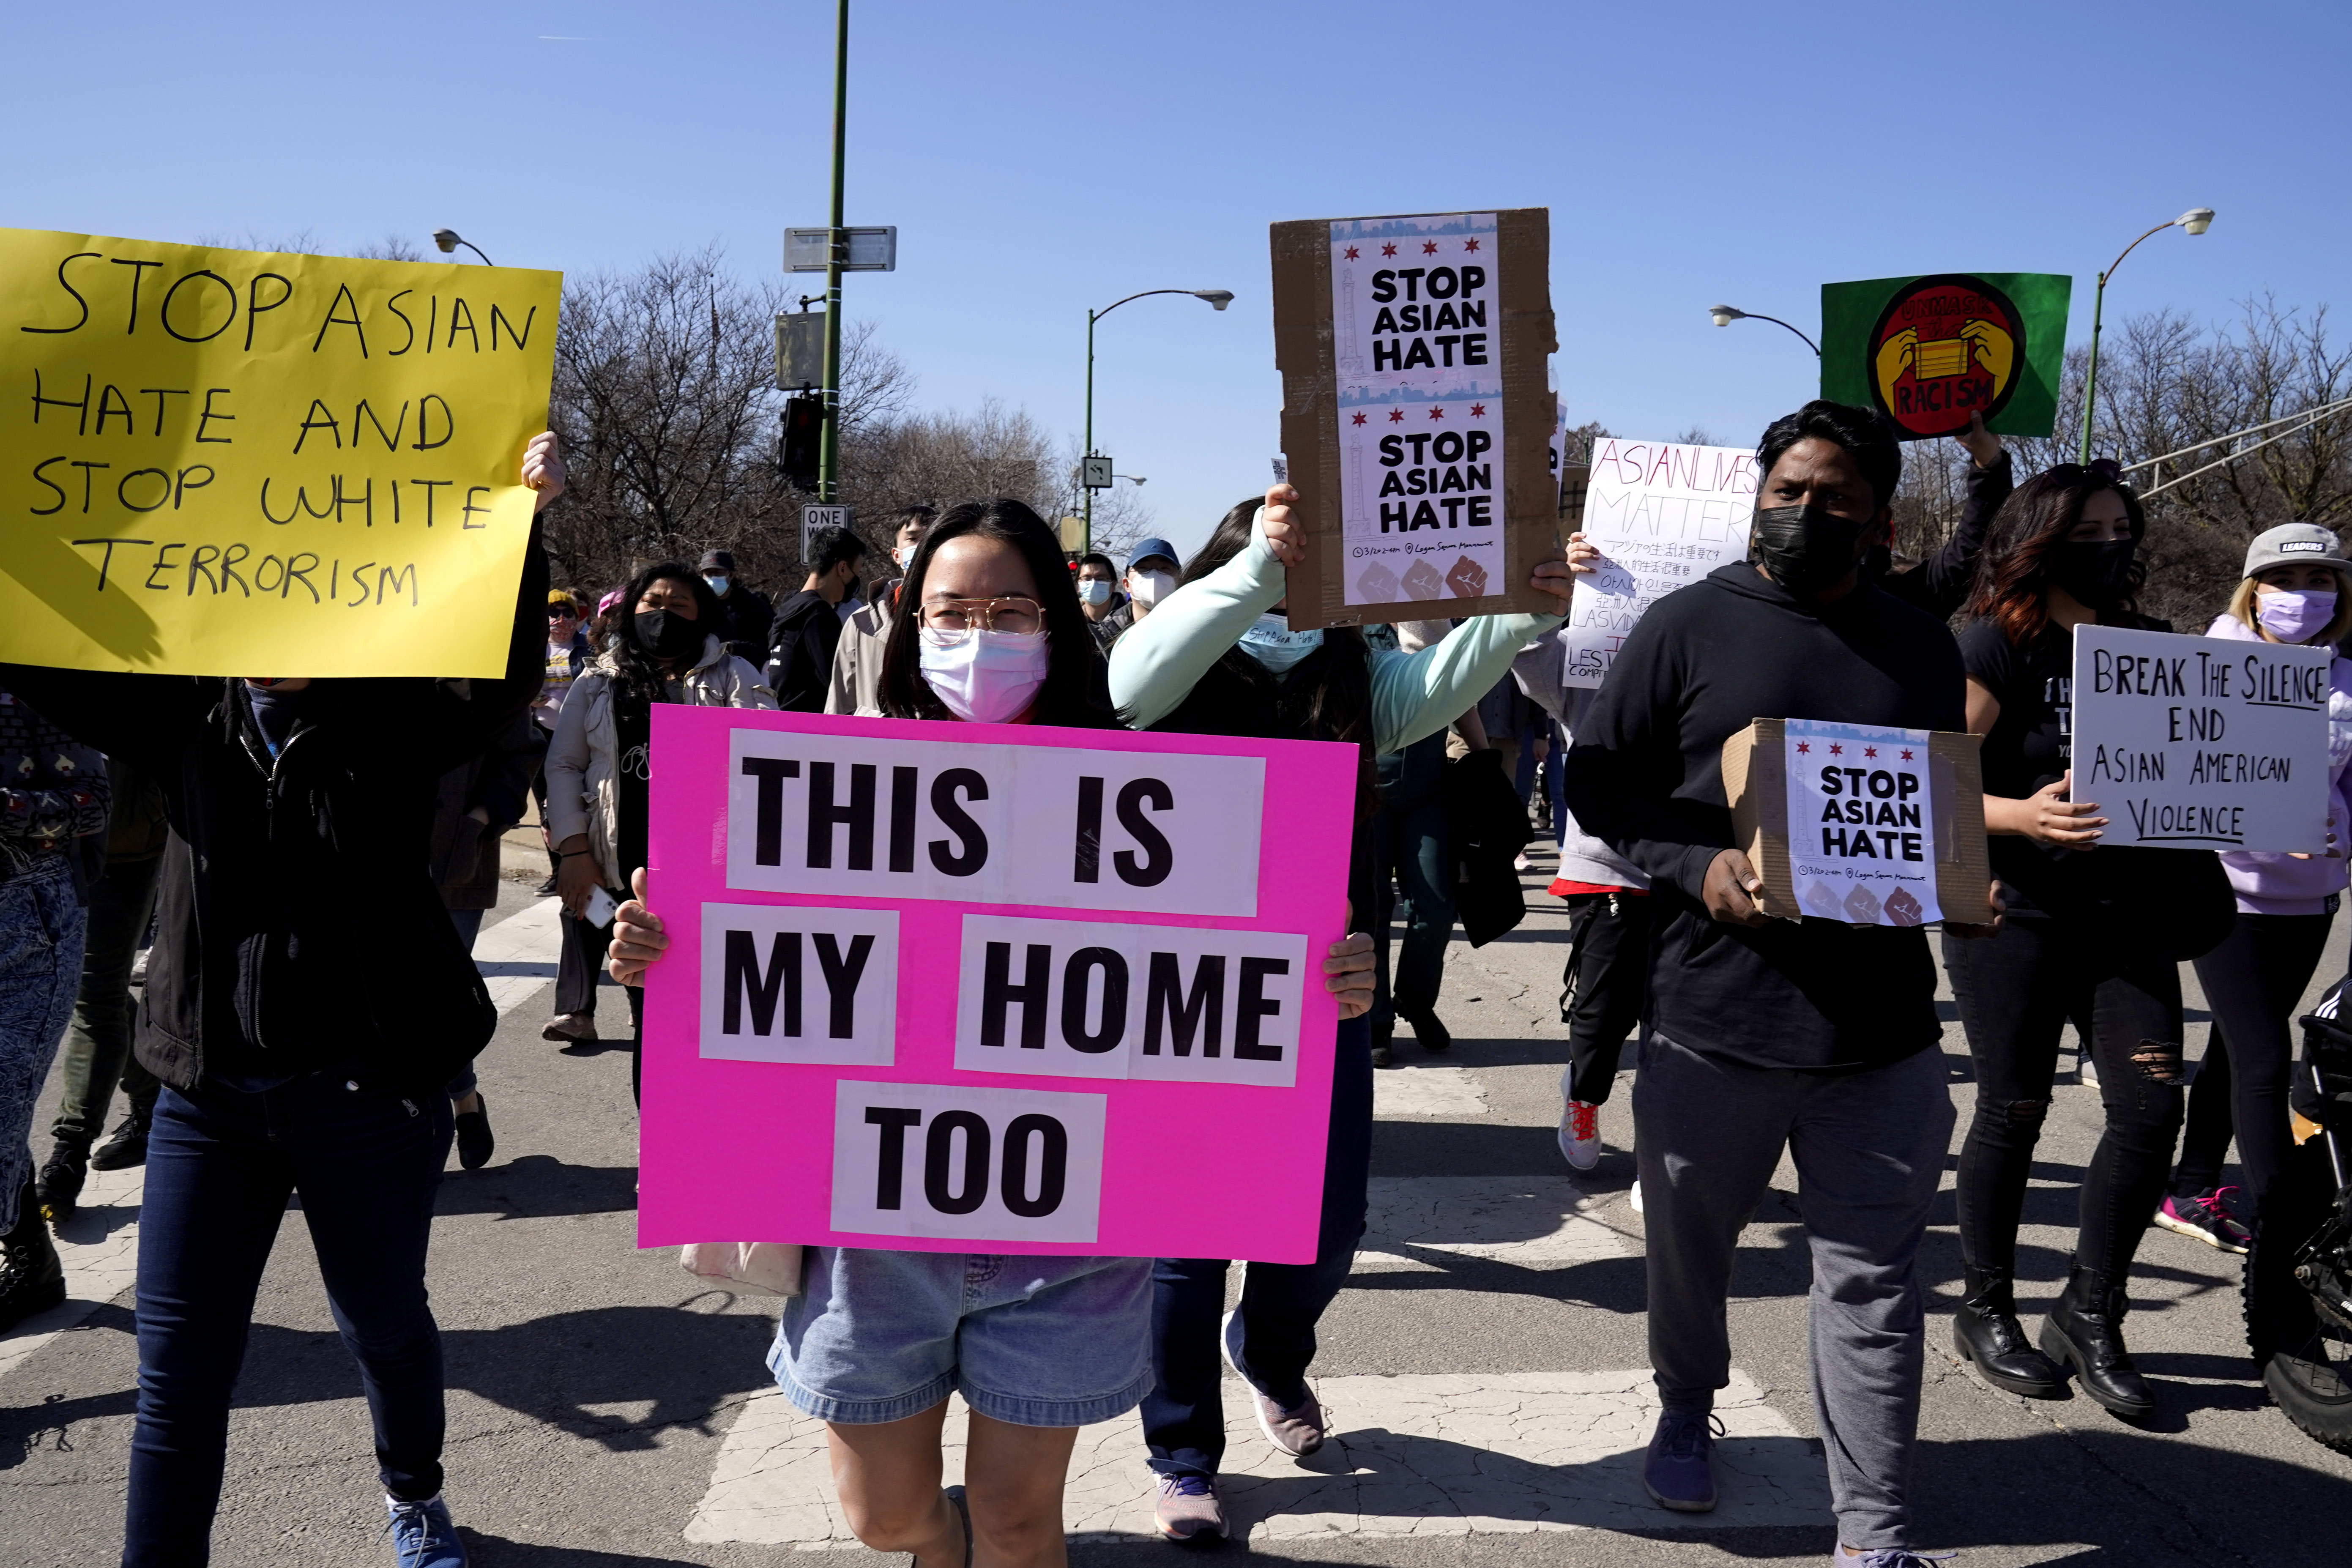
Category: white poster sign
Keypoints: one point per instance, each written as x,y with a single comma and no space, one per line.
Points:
978,1164
1862,817
1664,515
2202,743
1413,312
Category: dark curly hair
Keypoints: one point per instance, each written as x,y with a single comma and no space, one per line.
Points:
641,675
2032,524
1864,431
1077,691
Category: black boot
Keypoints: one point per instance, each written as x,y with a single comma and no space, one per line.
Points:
1428,1029
2085,1329
1986,1331
57,1188
31,1279
127,1146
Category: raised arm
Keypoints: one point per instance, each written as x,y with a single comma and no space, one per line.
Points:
1157,661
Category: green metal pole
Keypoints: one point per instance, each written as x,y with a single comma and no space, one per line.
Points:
2091,378
829,440
1086,533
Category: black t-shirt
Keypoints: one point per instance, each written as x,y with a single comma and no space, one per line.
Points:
2028,748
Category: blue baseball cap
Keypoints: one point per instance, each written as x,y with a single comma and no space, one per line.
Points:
1145,549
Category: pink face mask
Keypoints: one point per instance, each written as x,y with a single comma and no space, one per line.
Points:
2295,617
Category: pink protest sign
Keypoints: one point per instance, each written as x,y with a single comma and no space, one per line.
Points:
989,987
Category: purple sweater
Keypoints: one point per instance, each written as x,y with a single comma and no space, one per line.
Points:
2281,884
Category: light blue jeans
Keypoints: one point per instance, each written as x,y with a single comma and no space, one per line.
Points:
41,925
881,1335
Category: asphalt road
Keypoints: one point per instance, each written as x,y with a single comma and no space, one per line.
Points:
1486,1369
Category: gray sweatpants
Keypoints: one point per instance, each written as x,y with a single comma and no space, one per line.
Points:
1869,1149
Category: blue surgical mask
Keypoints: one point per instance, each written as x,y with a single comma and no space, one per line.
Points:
1273,645
717,585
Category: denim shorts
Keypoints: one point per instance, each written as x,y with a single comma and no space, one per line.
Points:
1033,1341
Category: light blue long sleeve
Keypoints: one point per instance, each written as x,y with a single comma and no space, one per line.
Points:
1156,663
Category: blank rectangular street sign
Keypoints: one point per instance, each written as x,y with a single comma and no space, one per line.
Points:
870,249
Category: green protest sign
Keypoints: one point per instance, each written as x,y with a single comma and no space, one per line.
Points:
1929,351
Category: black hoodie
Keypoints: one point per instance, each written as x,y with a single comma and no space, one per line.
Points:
1645,775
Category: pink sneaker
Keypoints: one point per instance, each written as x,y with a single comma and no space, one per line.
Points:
2206,1218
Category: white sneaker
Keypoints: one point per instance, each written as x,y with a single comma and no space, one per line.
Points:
1637,1194
2086,1071
1519,863
1580,1134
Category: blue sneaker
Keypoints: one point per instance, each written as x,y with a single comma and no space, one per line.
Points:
422,1535
1678,1472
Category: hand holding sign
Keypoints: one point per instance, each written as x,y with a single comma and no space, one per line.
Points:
1731,890
542,468
2047,817
1280,525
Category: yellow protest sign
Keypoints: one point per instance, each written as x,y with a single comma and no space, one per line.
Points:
236,462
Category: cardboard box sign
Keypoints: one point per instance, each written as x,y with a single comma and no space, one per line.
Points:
1861,823
1416,422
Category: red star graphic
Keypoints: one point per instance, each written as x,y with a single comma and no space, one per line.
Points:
1358,418
1906,755
1437,413
1469,245
1870,751
1804,746
1837,751
1477,411
1351,253
1429,248
1396,416
1388,250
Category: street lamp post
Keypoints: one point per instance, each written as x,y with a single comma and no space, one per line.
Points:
2196,220
1218,300
1724,315
448,242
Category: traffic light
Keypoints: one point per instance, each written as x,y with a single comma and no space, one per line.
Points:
804,433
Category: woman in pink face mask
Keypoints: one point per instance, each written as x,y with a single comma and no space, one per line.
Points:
989,630
2297,589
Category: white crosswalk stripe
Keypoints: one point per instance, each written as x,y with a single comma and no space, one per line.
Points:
1448,1093
100,1246
1535,1221
1450,1454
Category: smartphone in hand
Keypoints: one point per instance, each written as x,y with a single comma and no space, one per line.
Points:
600,908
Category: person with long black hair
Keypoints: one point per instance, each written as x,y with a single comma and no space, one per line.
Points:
665,647
2297,589
989,630
1216,658
2093,931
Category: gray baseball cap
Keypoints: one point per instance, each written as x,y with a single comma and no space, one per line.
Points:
2295,545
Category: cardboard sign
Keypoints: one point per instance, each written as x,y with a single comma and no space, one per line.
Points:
1664,515
1929,351
2202,743
1836,833
989,987
1416,422
229,462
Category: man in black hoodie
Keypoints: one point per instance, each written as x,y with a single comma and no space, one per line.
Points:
1811,1035
307,1001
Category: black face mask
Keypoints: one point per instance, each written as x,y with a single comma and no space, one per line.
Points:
1805,548
666,634
2096,574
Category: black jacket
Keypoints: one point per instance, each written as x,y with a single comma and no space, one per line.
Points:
800,655
1645,775
1940,584
298,926
744,618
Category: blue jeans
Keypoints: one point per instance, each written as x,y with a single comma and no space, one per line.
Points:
1184,1414
1413,844
220,1165
40,965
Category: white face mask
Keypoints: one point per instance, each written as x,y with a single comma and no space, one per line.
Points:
1149,587
1093,591
1273,643
901,554
983,676
717,585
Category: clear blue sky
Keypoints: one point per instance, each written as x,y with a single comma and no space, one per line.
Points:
1038,158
